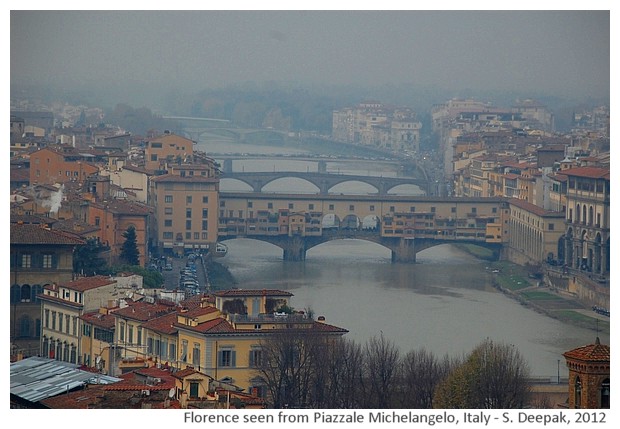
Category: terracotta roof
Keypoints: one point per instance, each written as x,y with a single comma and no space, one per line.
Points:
596,352
87,283
144,311
125,207
36,234
184,373
101,320
75,226
591,172
163,324
136,169
33,219
533,208
135,380
252,292
216,326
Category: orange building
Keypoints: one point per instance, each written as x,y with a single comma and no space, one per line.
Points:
59,165
588,376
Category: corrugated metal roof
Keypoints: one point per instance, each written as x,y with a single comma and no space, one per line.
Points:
37,378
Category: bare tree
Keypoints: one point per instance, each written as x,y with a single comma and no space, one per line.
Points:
287,367
381,370
421,372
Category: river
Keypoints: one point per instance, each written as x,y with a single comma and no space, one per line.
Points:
444,303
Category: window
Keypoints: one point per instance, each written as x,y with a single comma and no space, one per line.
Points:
372,208
168,235
290,206
331,207
156,145
193,389
204,225
60,321
172,355
222,203
68,323
551,227
256,356
205,199
188,213
184,351
412,209
205,213
453,209
97,220
154,157
196,355
121,332
188,224
578,393
351,207
168,198
392,208
47,260
196,236
433,209
26,260
130,334
168,210
46,319
226,358
188,235
188,199
310,206
205,235
269,205
168,222
53,320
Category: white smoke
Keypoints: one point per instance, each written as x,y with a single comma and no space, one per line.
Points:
55,200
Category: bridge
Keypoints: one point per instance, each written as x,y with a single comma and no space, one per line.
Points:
326,181
405,225
195,127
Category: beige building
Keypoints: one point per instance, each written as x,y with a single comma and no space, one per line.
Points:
133,179
62,304
534,232
186,209
167,149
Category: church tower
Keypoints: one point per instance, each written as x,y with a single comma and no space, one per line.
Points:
588,376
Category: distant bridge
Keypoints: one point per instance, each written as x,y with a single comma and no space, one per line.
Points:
194,128
326,181
403,224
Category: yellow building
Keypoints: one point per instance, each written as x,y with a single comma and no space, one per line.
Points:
219,336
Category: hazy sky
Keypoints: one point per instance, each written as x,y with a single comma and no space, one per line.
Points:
559,52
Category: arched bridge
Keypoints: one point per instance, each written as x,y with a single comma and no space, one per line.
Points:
326,181
403,224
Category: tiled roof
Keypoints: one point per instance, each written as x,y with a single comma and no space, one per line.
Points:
533,208
252,292
135,380
163,324
144,311
87,283
101,320
596,352
125,207
591,172
216,326
36,234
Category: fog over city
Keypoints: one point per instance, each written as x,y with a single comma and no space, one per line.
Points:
563,53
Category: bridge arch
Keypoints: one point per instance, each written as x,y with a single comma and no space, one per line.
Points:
283,185
361,186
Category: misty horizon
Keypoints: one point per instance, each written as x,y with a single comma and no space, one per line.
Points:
145,55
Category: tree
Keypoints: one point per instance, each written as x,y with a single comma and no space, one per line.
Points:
421,372
87,258
381,370
129,252
494,375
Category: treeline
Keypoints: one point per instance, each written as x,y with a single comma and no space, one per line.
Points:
309,371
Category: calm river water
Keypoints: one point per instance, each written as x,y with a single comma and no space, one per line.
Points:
444,303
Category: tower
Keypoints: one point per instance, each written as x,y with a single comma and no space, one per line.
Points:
588,376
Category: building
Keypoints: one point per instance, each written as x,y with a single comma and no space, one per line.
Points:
534,233
589,376
60,164
186,211
167,149
588,220
62,304
40,256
